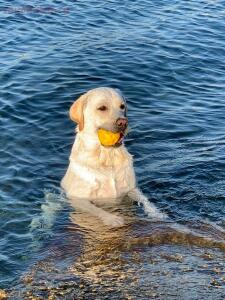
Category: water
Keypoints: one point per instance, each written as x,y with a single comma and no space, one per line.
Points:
168,59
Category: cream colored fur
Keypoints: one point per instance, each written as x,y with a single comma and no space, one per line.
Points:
98,174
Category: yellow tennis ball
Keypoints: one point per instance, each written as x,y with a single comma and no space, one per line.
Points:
108,138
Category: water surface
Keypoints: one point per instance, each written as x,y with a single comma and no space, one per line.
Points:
168,59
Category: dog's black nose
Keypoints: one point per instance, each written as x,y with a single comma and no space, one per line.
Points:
122,123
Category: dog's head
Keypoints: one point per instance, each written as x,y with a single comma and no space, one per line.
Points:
100,108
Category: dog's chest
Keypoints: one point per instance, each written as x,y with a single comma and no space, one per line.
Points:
115,180
110,182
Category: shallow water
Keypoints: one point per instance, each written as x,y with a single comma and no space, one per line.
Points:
168,59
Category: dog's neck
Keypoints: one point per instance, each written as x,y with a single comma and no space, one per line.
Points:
88,151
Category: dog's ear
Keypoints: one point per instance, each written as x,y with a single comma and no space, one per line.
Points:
124,99
77,111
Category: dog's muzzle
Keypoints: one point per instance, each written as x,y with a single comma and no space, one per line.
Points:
121,124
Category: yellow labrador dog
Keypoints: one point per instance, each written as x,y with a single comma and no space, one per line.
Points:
97,173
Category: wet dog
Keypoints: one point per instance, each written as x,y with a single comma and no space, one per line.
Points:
97,174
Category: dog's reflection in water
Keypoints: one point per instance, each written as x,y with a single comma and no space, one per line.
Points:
86,253
102,250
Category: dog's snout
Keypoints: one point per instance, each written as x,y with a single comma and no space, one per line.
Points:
122,123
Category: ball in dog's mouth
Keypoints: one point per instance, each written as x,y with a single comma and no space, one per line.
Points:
108,138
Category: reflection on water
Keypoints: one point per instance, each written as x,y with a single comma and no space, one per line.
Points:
152,259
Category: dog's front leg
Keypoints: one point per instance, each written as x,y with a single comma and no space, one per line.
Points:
149,208
106,217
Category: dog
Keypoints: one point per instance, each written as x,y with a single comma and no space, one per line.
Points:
97,174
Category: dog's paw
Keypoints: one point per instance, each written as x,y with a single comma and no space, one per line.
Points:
159,216
113,220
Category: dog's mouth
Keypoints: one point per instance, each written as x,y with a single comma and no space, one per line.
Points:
123,133
121,139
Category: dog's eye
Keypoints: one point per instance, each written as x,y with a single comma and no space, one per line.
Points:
122,106
102,108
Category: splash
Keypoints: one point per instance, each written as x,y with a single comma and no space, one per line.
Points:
42,224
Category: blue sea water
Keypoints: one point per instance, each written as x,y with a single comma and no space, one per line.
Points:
167,57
